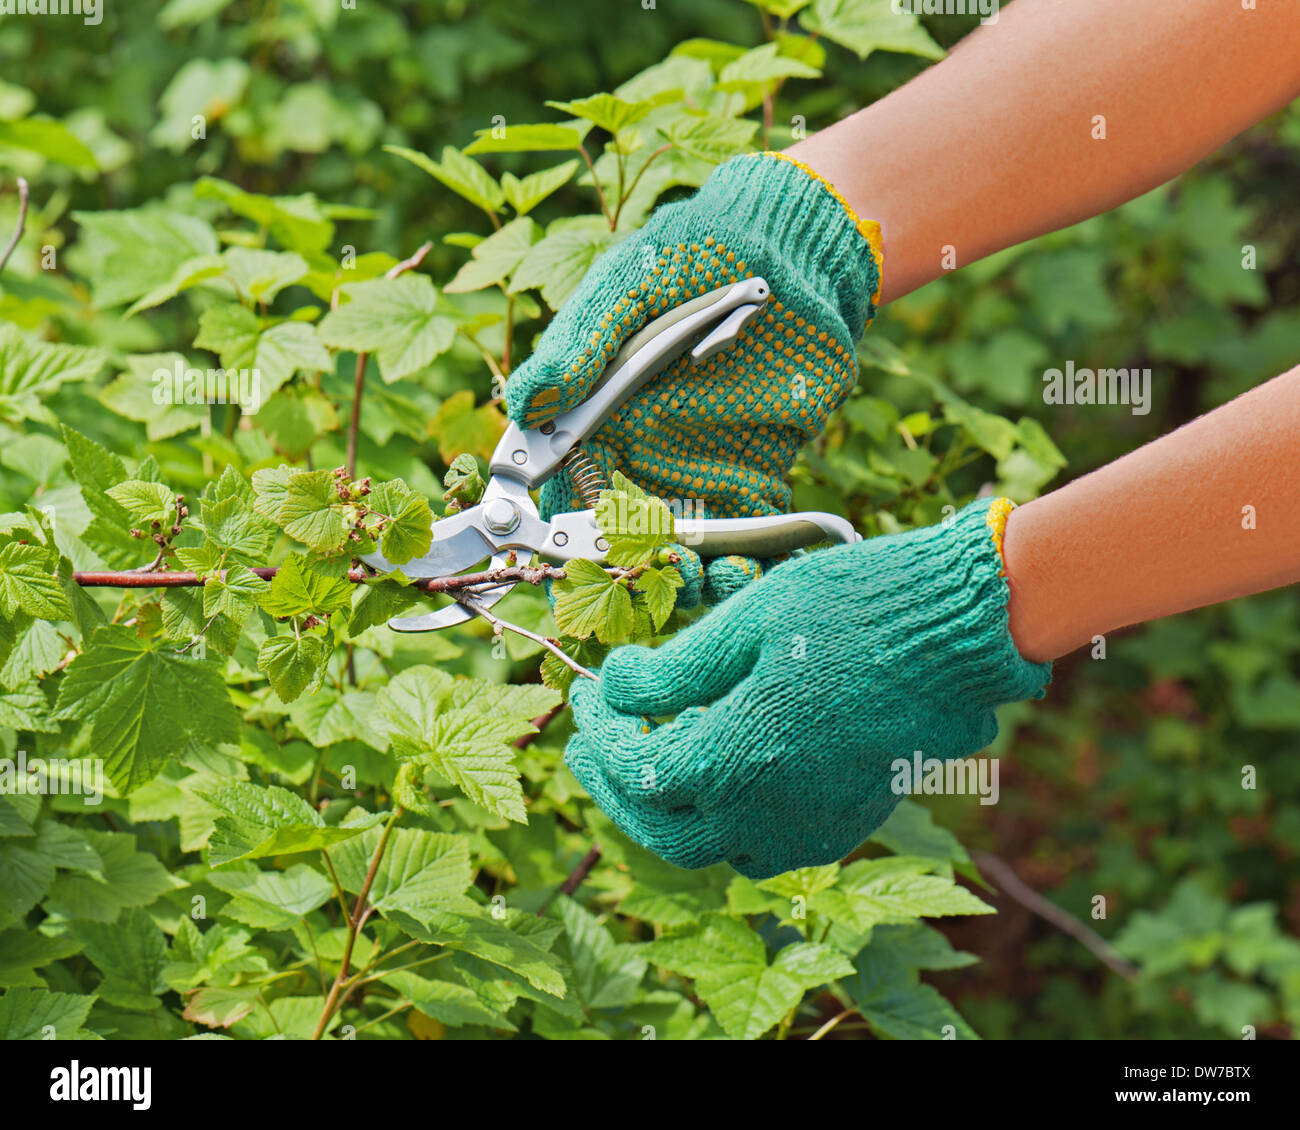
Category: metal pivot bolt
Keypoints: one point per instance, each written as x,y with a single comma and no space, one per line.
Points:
500,516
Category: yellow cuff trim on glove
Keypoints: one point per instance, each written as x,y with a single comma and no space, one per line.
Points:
868,229
996,517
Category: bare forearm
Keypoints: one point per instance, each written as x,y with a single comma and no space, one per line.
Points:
1204,514
1001,141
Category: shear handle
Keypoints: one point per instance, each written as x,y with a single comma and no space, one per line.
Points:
705,324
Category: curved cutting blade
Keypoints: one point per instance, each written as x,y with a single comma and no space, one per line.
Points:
454,613
457,544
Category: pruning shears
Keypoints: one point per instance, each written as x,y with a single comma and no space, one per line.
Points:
506,519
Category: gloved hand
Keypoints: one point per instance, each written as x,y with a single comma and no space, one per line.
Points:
723,433
794,697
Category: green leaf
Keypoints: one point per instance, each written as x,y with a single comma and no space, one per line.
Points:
662,894
914,1012
35,1014
660,588
179,13
145,701
589,601
763,65
419,872
270,489
298,223
203,88
448,1001
911,830
463,730
409,533
218,955
146,392
610,112
524,195
495,257
95,469
260,822
462,428
233,524
221,1006
25,707
864,26
186,276
463,481
145,502
26,874
804,881
261,275
302,588
605,973
710,138
131,954
312,512
23,951
556,264
32,370
481,936
126,877
465,177
271,900
269,352
634,527
895,890
394,319
728,962
294,664
129,254
295,418
540,138
28,583
329,716
52,140
781,9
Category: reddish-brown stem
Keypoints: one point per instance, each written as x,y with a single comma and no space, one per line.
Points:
22,223
354,424
600,192
527,574
636,180
576,876
359,381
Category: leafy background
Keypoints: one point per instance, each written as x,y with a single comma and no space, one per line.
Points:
211,892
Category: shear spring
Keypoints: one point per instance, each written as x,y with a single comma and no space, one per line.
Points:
587,478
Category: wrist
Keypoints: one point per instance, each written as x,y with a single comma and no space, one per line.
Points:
1041,616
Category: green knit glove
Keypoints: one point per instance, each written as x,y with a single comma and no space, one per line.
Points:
723,433
794,698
